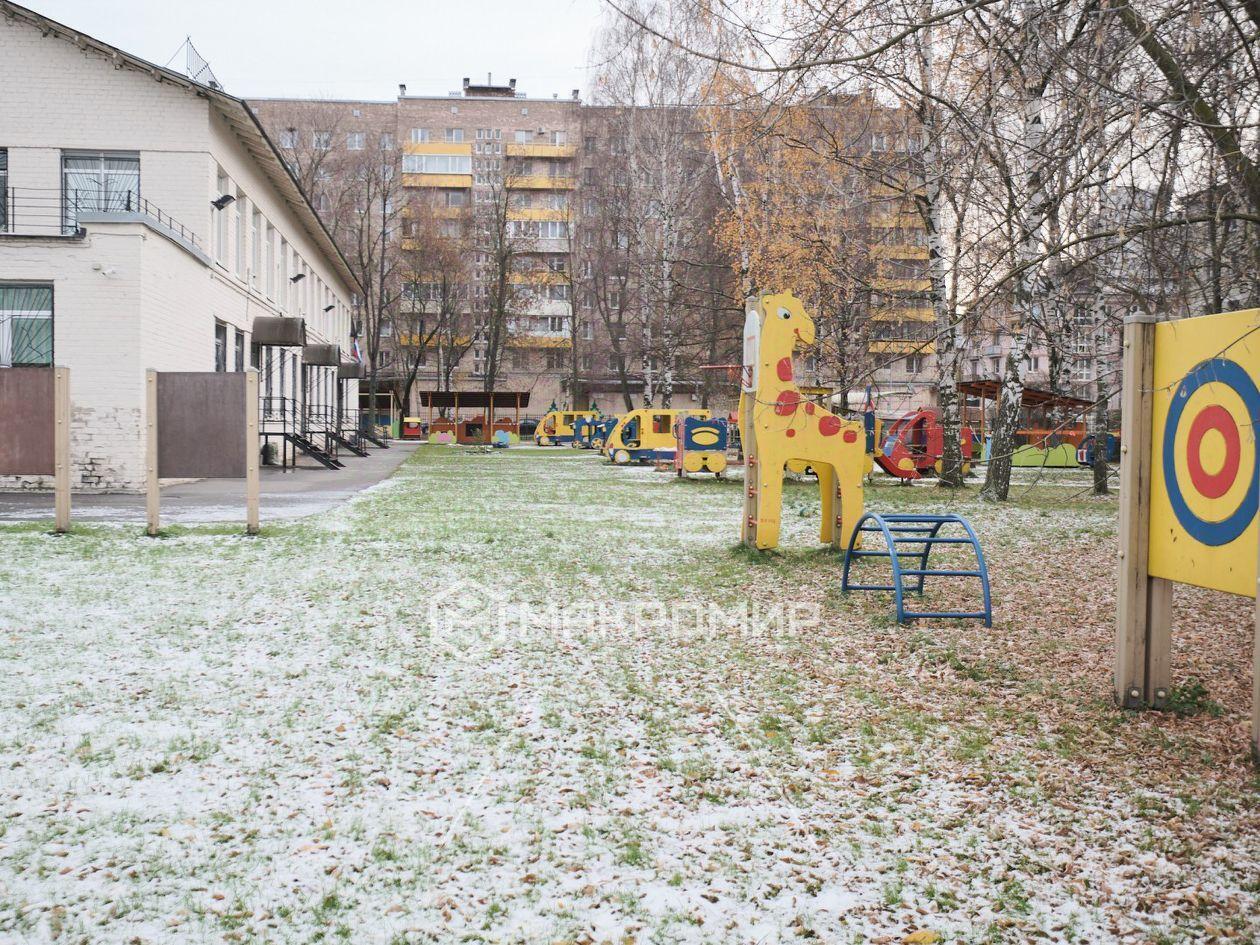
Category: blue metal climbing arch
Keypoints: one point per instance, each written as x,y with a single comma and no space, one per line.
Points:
913,537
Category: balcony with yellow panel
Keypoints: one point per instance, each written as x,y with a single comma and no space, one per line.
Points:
437,180
540,150
901,285
903,314
438,147
537,213
905,220
539,182
898,346
898,251
539,277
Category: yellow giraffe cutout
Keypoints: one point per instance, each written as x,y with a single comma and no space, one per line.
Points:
777,425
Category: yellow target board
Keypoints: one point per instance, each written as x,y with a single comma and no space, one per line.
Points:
1205,457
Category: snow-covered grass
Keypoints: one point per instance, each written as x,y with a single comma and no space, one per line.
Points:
205,737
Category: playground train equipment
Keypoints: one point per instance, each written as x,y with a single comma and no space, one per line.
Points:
557,427
700,445
589,433
646,436
778,428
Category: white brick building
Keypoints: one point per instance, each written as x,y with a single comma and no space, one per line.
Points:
120,250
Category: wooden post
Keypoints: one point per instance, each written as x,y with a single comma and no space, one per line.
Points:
152,497
251,452
1255,677
61,448
1140,640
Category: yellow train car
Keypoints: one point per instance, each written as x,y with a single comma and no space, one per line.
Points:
646,435
556,426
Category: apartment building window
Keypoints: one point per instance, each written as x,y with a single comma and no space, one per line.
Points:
914,363
220,346
615,363
99,181
26,326
271,261
588,176
220,222
879,142
559,137
614,299
555,360
387,141
558,293
322,140
437,164
588,331
255,246
454,135
557,263
239,353
556,323
523,136
553,229
285,284
456,198
239,211
588,362
289,138
355,141
419,135
589,142
520,359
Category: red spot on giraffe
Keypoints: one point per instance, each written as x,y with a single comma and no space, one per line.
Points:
787,403
785,369
850,436
829,425
809,408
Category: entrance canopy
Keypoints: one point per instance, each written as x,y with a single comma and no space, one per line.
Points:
279,331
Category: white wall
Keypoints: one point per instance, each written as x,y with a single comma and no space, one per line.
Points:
125,297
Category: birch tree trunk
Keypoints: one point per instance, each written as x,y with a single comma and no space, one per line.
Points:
947,349
997,480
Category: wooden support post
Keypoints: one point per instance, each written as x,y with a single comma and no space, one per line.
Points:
152,497
251,452
61,448
1137,600
1255,675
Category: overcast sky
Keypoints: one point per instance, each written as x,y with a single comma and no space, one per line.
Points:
352,48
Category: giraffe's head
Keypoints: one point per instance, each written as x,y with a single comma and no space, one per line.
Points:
786,321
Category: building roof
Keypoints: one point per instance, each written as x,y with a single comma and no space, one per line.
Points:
990,389
235,111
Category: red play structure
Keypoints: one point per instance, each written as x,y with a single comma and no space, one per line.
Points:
912,447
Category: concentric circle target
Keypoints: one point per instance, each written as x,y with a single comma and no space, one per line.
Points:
1211,459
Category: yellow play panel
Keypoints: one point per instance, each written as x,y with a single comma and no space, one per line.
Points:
1204,463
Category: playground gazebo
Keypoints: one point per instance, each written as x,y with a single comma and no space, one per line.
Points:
451,402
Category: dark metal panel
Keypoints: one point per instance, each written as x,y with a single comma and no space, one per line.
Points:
26,421
279,331
350,371
201,424
322,355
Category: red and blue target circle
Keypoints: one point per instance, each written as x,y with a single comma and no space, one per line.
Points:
1213,418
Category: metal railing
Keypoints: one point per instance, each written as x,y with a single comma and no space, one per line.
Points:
50,211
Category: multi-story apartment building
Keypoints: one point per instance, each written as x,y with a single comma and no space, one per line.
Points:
148,222
556,166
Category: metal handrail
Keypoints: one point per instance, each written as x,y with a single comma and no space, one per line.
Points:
40,211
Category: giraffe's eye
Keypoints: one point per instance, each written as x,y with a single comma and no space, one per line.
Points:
784,313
